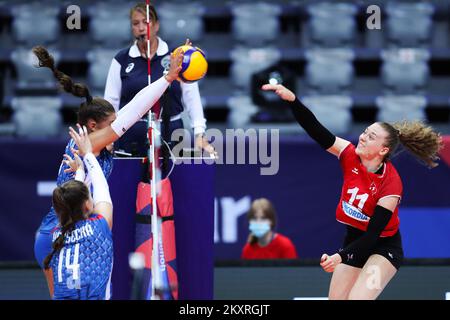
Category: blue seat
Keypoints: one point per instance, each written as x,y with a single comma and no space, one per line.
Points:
247,61
409,24
37,116
332,24
398,108
333,111
404,71
110,25
28,76
179,21
329,71
241,109
35,23
99,63
256,23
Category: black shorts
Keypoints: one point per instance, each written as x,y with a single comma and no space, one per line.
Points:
388,247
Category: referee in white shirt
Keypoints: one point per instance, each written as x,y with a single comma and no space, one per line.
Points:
128,75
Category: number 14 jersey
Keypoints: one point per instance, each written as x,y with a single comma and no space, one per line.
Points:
82,268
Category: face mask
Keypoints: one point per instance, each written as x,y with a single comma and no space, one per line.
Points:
259,229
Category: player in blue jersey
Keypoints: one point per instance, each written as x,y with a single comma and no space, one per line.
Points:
82,256
104,127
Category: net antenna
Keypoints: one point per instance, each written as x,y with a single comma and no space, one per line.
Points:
154,138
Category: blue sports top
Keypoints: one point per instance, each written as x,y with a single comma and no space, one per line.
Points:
82,268
105,159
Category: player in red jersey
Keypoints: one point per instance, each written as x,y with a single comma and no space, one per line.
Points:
372,250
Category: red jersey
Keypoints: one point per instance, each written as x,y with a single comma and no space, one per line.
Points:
363,189
279,248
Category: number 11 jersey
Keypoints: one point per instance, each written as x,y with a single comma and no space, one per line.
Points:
362,190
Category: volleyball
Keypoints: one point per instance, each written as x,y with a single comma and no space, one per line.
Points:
194,65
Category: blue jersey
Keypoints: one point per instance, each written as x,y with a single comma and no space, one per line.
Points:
105,159
82,268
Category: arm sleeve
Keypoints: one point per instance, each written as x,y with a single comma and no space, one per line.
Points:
80,175
99,184
312,126
113,87
139,106
193,103
377,223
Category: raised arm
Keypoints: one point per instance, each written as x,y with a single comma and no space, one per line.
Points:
308,121
142,102
101,196
75,164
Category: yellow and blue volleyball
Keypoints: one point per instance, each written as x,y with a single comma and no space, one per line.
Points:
194,65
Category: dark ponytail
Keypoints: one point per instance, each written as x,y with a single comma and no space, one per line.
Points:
97,108
68,201
46,60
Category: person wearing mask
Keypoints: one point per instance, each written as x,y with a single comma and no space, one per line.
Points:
263,242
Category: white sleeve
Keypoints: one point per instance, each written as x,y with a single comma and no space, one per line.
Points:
113,87
99,184
80,174
139,106
193,104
